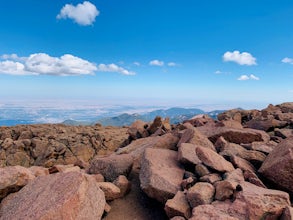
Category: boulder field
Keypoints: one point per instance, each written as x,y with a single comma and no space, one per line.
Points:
237,167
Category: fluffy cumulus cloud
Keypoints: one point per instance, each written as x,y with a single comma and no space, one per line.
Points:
84,13
136,63
43,64
246,77
114,68
156,63
287,60
243,58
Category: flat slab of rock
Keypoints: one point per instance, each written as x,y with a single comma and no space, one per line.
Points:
13,178
187,154
278,166
213,160
233,135
111,166
161,174
58,196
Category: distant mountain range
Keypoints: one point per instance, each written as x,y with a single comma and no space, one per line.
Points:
176,116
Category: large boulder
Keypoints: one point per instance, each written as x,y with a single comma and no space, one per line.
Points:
261,203
58,196
194,136
233,135
278,166
213,160
111,166
161,174
13,179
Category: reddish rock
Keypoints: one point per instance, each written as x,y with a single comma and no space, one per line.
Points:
287,213
161,174
253,178
208,212
199,194
242,164
138,130
137,147
225,189
157,123
98,177
233,135
211,178
13,179
187,154
278,166
123,184
178,206
111,166
201,170
284,133
200,120
261,146
213,160
39,171
64,168
56,196
178,218
231,124
187,183
265,124
230,149
194,136
110,190
260,202
235,175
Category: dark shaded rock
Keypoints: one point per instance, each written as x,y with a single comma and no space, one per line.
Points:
178,206
278,166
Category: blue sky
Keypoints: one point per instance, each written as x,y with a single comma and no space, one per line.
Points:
175,51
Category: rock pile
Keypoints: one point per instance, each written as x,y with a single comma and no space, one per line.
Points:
237,167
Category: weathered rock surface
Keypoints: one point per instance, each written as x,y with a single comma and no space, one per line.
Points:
13,179
111,166
233,135
262,203
57,196
51,144
194,136
200,194
178,206
160,174
110,190
137,147
278,166
213,160
187,154
287,213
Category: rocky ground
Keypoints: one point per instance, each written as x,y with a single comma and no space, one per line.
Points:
237,167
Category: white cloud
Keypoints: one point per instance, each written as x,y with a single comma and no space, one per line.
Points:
240,58
156,63
172,64
218,72
43,64
246,77
253,77
136,63
114,68
84,13
287,60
